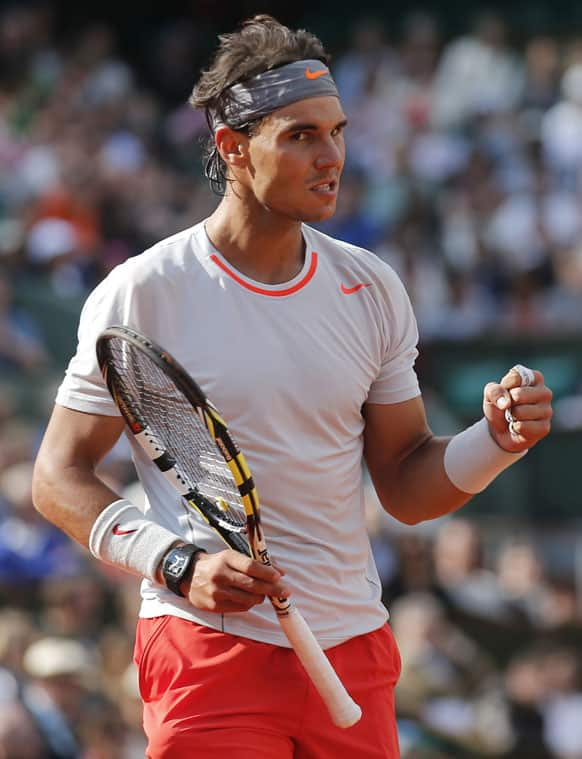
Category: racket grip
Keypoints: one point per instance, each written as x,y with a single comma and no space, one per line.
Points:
343,709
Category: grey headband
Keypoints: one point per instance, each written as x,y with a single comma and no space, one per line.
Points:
270,90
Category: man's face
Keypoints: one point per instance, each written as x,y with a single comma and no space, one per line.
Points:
296,159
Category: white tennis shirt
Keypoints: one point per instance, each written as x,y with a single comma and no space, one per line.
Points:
289,366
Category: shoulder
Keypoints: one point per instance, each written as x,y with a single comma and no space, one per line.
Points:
176,252
149,278
159,265
346,259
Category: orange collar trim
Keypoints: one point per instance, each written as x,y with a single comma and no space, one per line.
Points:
263,290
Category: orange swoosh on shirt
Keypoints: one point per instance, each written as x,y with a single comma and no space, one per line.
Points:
314,74
349,290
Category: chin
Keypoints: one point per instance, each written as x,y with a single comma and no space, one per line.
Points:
321,214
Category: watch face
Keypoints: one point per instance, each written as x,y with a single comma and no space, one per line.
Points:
176,564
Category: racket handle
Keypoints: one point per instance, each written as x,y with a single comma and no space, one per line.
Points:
343,709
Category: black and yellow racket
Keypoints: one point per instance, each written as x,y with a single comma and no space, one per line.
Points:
185,437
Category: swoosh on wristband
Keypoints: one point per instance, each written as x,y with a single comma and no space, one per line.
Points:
117,531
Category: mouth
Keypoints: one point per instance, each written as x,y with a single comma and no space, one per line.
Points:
328,187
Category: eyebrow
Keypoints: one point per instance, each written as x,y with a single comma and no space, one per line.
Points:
307,127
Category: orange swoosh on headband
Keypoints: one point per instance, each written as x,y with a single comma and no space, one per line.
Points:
315,74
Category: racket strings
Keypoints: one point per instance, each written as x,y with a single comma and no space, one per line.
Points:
171,418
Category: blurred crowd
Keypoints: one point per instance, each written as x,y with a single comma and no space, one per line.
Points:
489,630
464,165
464,173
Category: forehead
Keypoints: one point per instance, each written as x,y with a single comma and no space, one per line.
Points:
319,112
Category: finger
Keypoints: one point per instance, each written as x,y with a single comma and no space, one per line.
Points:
243,571
256,569
496,395
278,568
529,412
526,374
238,597
522,376
529,431
530,395
252,585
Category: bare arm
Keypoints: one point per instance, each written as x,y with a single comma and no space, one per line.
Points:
68,493
406,461
66,490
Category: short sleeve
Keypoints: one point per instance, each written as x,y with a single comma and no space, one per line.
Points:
83,387
397,380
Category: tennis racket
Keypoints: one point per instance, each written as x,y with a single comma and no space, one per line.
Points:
185,437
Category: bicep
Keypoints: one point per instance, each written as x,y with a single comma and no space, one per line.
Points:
65,488
74,438
393,431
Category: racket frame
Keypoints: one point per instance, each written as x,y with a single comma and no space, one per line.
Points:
343,710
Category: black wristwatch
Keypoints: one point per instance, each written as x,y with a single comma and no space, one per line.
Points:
176,563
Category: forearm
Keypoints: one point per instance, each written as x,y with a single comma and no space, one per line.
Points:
91,513
439,475
418,488
70,497
65,488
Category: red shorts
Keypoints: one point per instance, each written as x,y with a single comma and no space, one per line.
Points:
208,694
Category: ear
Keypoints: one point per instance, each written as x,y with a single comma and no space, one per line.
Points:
232,146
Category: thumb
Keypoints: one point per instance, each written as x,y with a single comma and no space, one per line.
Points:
494,394
496,400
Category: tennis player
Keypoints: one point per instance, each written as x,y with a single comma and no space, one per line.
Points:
307,346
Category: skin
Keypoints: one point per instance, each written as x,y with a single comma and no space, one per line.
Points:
277,181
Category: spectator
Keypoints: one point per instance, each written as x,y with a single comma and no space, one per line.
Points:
525,692
19,737
561,129
62,676
21,345
462,576
444,672
30,548
562,706
521,578
477,74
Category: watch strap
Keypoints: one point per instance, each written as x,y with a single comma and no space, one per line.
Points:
176,564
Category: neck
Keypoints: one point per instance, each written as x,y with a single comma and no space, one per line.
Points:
257,242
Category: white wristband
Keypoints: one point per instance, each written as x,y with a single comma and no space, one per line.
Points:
122,536
473,459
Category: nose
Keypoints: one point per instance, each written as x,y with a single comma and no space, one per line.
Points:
331,155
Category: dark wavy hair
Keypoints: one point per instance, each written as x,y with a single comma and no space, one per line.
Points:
260,44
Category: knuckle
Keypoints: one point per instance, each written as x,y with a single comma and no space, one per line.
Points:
219,576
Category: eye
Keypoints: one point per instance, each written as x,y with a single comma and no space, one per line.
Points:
300,136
